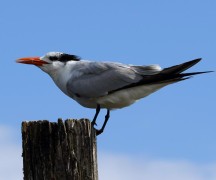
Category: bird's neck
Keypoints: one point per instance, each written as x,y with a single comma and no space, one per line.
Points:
60,77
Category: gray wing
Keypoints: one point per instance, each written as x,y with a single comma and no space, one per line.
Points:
99,78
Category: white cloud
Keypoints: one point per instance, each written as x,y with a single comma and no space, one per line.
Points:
126,168
10,156
4,132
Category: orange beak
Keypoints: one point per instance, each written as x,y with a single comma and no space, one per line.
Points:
31,60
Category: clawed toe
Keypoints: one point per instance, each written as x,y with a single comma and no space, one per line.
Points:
93,124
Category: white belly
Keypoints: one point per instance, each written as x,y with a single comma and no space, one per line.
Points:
120,98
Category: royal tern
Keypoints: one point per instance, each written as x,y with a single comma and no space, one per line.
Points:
108,85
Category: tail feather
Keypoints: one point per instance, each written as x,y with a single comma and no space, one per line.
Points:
165,78
195,73
176,77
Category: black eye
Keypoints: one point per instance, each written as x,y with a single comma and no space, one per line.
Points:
53,58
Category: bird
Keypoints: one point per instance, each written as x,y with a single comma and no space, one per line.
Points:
107,85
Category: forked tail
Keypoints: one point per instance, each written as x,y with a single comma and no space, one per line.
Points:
173,74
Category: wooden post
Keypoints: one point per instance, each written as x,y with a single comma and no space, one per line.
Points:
59,151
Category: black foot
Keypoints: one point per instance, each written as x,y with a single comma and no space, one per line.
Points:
93,123
98,132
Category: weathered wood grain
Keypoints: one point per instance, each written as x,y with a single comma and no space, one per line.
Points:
59,151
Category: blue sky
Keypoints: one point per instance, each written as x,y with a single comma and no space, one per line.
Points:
174,125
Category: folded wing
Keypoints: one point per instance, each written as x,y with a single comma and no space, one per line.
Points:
100,78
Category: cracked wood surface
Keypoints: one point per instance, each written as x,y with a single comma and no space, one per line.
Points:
59,150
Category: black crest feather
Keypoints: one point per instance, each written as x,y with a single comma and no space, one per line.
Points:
68,57
63,57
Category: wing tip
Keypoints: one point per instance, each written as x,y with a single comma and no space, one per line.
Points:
195,61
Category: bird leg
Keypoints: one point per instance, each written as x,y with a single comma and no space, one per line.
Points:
98,132
96,115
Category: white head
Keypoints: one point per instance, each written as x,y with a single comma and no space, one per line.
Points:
50,61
